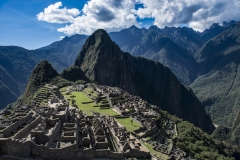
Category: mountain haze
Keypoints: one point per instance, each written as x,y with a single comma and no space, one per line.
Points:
17,63
218,88
154,44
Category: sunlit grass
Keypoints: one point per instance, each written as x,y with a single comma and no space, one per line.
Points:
130,126
81,97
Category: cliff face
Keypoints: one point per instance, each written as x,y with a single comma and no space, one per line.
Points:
103,62
73,74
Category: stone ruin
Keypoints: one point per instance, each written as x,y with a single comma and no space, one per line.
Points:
62,132
58,131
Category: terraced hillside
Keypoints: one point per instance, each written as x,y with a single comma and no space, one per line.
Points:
43,96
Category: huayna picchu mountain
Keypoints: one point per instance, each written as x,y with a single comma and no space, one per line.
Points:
104,63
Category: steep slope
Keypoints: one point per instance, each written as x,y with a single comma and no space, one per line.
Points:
218,88
73,74
185,37
103,62
229,134
129,38
154,44
167,52
17,63
215,29
43,73
66,50
8,88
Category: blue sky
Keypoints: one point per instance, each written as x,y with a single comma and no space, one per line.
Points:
36,23
19,25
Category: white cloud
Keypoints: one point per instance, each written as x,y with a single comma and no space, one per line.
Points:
55,14
199,14
114,15
111,15
61,37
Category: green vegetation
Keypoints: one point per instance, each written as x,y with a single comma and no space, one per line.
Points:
73,74
42,96
82,102
130,126
42,74
155,153
86,104
197,143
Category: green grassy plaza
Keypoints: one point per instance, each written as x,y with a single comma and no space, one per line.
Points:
86,104
81,98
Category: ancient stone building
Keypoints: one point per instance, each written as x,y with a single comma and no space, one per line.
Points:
66,133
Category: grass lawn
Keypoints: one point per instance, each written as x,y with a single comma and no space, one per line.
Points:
126,122
82,97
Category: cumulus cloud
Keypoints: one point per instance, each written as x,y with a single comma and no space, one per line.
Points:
114,15
55,14
111,15
199,14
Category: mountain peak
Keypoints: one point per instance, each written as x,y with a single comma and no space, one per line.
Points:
227,24
100,34
153,28
214,25
98,45
45,69
98,38
133,27
42,74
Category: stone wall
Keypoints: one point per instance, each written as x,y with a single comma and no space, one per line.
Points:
136,153
28,128
18,149
52,122
106,153
54,133
68,136
7,131
31,150
3,144
101,145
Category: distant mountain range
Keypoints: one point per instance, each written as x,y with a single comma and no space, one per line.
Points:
16,64
207,62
